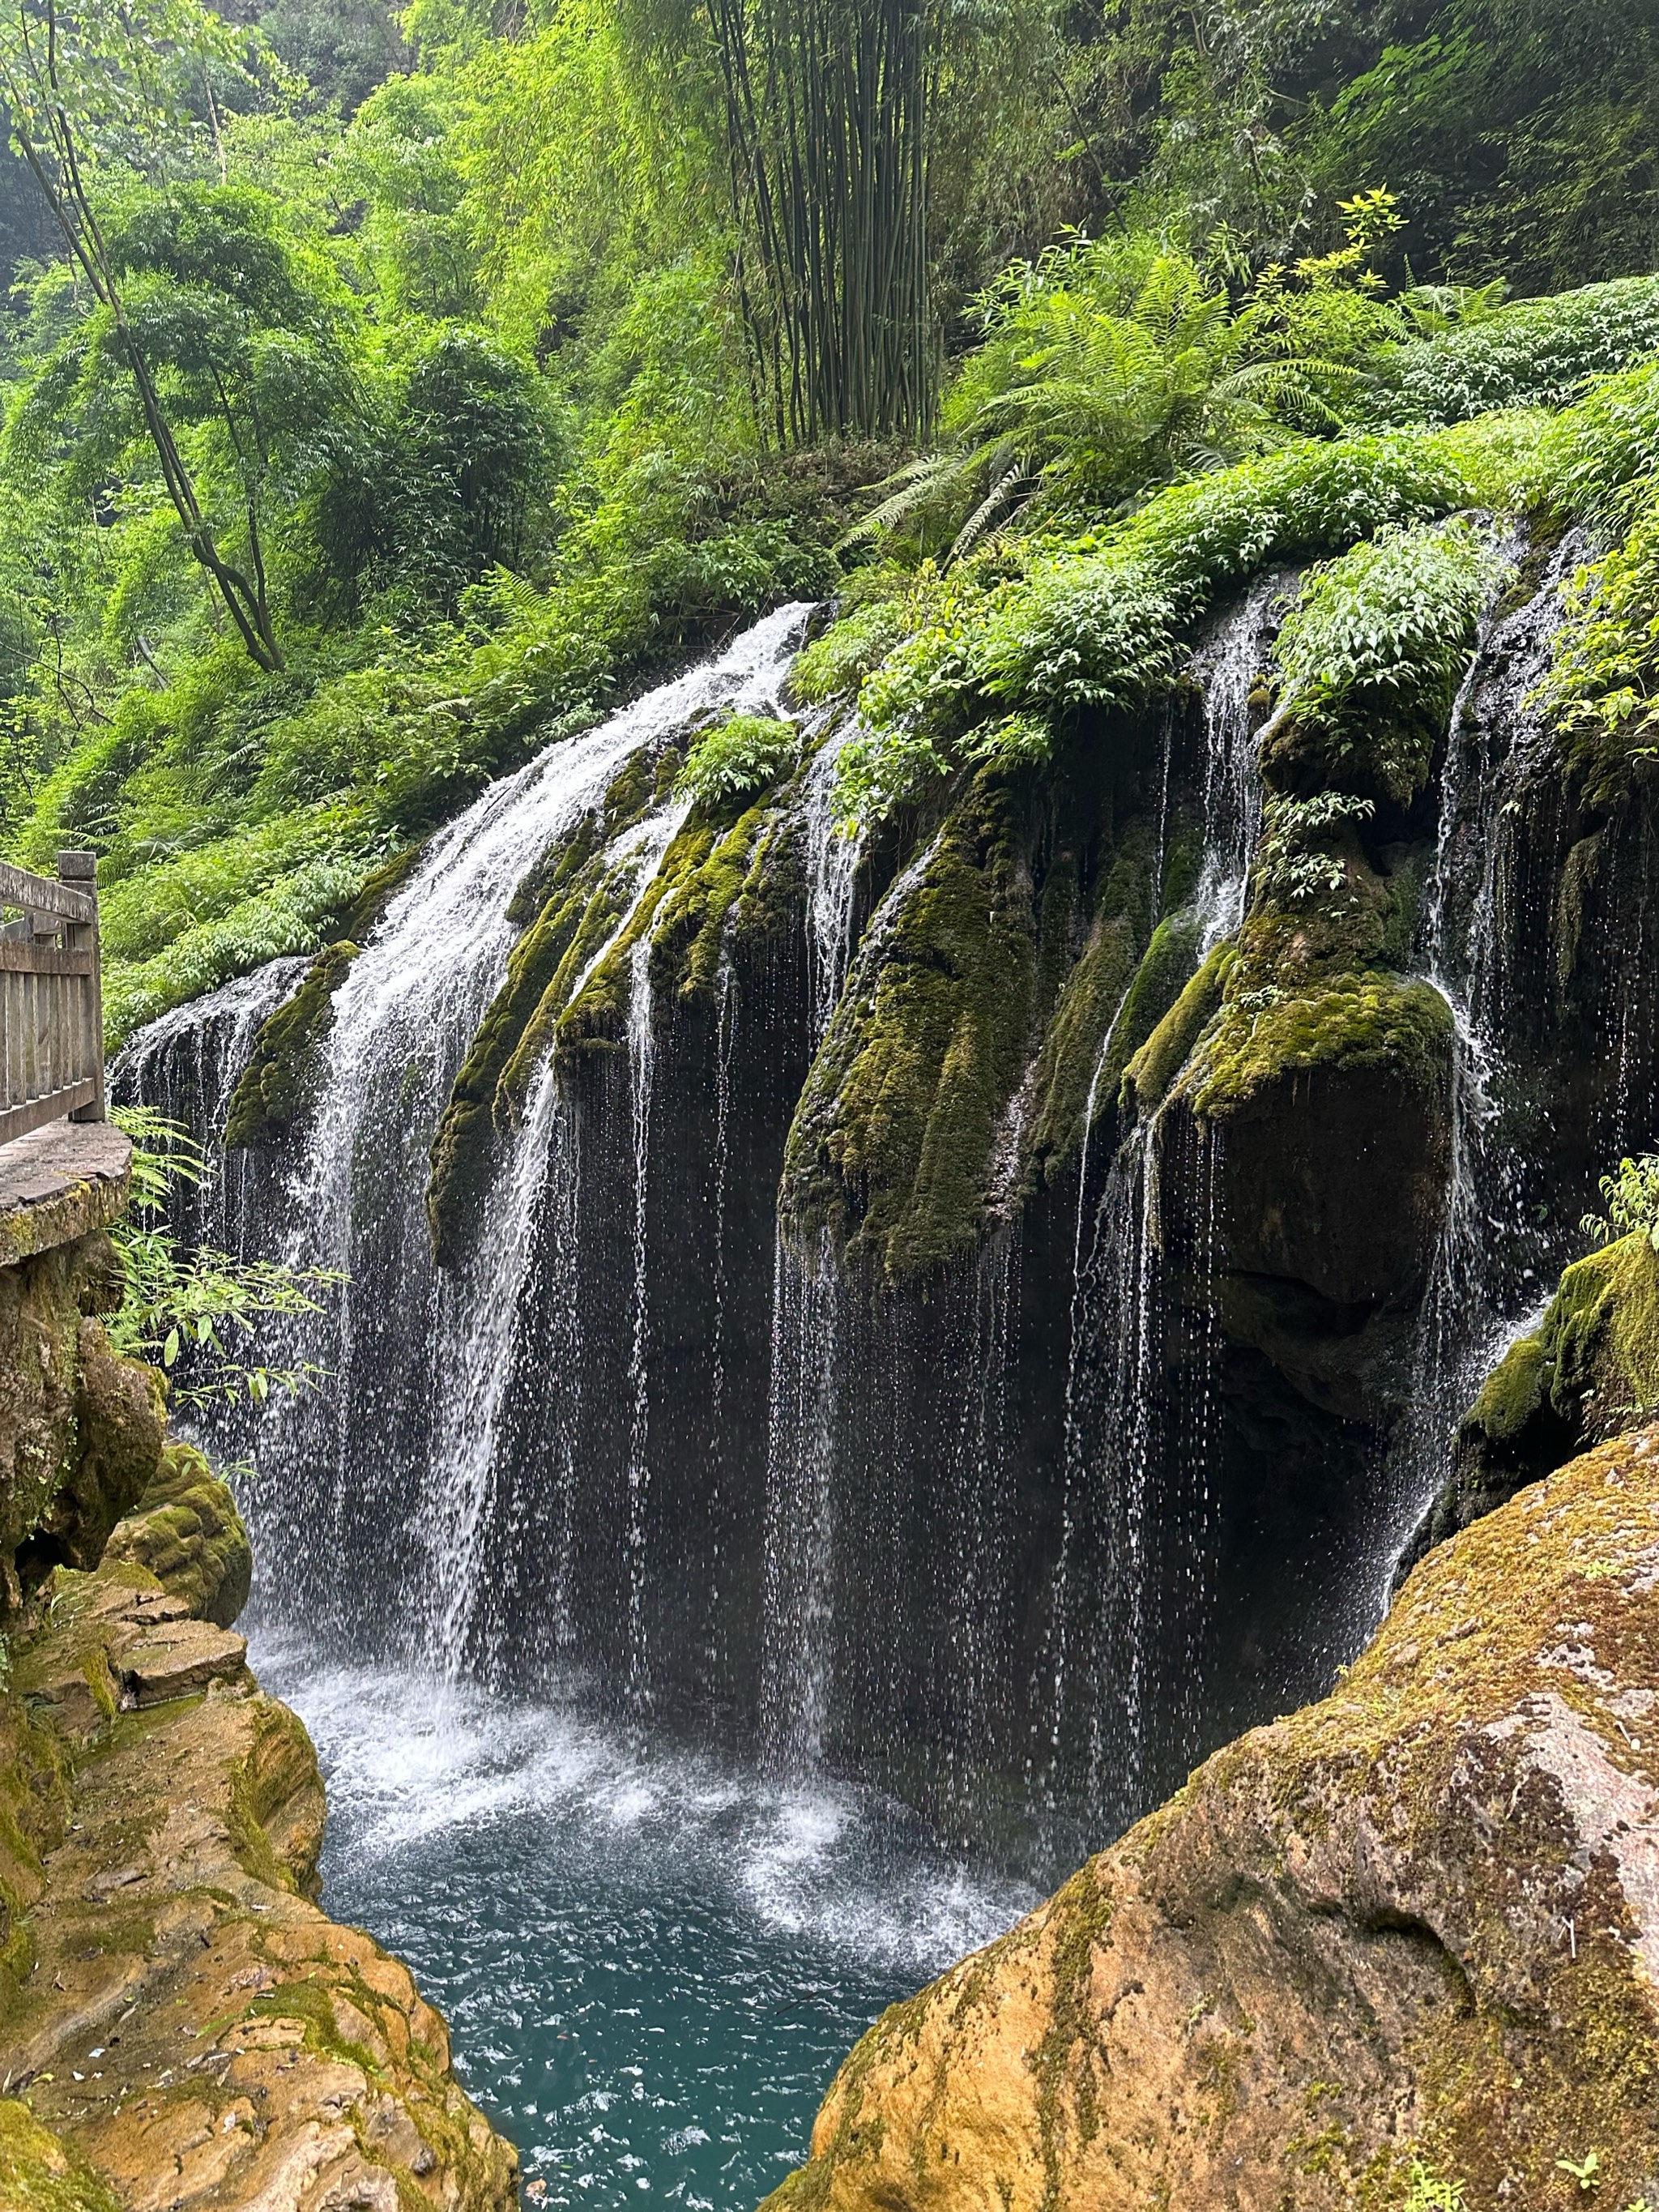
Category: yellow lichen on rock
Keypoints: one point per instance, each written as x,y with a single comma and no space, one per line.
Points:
1418,1921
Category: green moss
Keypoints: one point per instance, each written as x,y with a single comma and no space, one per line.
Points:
694,920
1152,1072
1589,1370
278,1085
279,1082
595,1015
187,1532
40,2172
1514,1392
281,1762
892,1143
1372,1021
1071,1065
311,2004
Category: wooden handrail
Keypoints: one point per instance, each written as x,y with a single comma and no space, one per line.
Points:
51,1012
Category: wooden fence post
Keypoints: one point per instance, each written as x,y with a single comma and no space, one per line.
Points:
81,869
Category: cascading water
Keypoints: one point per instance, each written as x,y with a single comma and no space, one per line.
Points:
187,1066
412,1429
1492,1258
1135,1475
1227,667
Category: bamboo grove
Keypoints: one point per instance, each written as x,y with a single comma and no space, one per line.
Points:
827,110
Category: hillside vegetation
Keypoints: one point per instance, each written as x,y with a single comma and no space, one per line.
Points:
384,400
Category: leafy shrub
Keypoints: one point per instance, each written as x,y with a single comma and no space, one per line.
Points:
1632,1197
1098,621
196,1315
1533,353
1293,866
736,760
1372,652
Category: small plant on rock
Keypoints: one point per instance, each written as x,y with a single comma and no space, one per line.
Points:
738,760
1429,2193
193,1314
1631,1196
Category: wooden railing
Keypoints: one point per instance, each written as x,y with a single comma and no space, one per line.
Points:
51,1000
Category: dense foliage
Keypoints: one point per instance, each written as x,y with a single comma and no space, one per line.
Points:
384,398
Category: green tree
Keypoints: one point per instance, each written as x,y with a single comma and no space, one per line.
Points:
96,94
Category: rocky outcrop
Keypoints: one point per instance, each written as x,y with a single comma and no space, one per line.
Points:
185,2026
1589,1370
182,2028
1404,1941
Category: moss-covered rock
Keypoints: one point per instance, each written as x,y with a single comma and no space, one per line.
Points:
160,1885
186,1530
1408,1935
891,1142
1588,1371
1153,1068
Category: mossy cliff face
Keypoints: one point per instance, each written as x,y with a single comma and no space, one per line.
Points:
729,884
1015,963
1416,1923
186,1530
1312,1073
1588,1371
893,1133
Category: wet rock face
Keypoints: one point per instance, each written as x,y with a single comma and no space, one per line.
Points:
189,2031
80,1430
1414,1926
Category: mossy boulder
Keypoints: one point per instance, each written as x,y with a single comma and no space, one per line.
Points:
186,1530
1589,1369
1408,1937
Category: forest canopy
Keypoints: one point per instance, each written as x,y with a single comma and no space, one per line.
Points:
385,394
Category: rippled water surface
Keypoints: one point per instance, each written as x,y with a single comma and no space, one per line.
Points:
652,1963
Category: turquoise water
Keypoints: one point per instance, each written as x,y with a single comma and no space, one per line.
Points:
652,1962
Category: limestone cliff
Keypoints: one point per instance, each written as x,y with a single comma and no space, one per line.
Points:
1405,1939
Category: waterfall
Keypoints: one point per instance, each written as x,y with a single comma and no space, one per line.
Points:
808,1351
186,1065
1128,1596
833,853
1489,1258
642,1060
404,1458
1227,667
